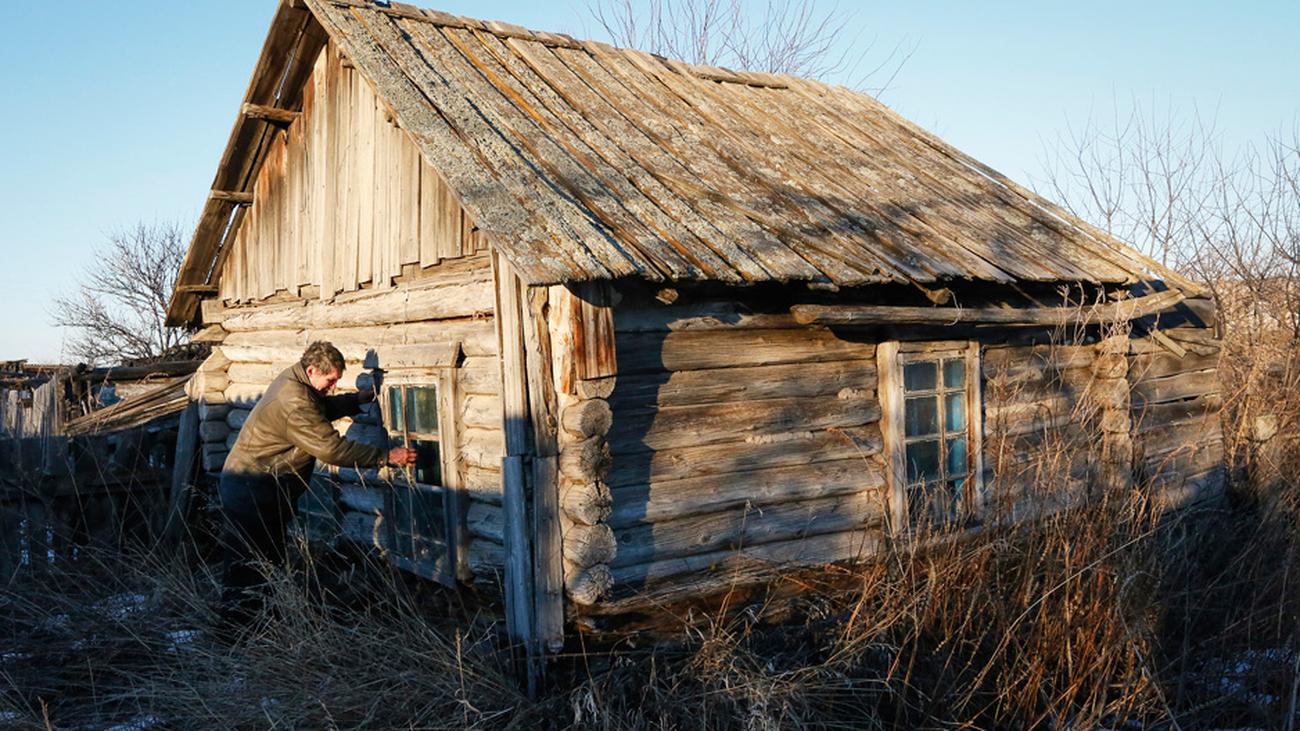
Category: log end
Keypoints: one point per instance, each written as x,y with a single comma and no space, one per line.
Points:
588,586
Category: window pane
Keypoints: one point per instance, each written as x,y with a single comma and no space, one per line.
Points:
954,412
922,461
920,376
922,416
956,456
954,373
395,409
428,465
410,418
422,409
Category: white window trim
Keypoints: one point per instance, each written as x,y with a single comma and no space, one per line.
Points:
889,368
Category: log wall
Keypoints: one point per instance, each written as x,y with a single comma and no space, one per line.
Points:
1137,407
1040,418
452,303
737,441
343,202
1177,433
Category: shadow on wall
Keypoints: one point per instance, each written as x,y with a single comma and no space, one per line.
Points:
651,447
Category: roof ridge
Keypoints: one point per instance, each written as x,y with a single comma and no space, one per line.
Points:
503,29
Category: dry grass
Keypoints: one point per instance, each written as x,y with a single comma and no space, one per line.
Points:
1090,619
1109,615
101,642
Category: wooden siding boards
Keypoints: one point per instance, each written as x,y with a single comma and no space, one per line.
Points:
581,161
344,201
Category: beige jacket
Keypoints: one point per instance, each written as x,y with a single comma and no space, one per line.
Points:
290,428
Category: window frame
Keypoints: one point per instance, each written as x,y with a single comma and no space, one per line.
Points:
443,381
892,357
404,436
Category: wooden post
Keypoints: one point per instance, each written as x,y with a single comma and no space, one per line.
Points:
890,393
456,503
1110,392
548,560
187,442
515,426
978,495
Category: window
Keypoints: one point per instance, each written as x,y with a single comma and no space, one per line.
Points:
417,510
412,420
930,402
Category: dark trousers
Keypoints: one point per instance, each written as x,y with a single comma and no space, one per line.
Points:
256,511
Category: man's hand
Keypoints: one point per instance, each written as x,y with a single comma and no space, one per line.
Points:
401,456
365,395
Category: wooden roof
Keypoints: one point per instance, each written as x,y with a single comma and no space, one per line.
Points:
581,161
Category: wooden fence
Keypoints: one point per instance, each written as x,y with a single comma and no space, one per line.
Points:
60,494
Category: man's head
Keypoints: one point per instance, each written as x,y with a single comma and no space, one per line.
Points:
324,365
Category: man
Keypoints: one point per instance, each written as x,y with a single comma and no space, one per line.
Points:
270,467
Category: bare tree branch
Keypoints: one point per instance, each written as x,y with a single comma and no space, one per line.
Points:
1231,221
787,37
119,309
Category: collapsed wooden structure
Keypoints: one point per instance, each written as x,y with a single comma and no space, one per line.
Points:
658,329
86,455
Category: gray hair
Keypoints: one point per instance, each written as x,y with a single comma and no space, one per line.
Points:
323,356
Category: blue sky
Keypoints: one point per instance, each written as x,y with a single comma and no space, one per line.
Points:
117,112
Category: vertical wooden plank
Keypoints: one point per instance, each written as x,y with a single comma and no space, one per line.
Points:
975,409
517,569
379,212
560,321
365,185
459,225
890,392
457,503
428,215
292,212
233,275
351,138
327,247
409,203
392,242
306,220
594,331
514,396
294,174
258,239
322,234
301,171
271,173
548,557
187,447
541,388
230,268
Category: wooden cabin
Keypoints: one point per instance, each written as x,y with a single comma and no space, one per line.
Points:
657,329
